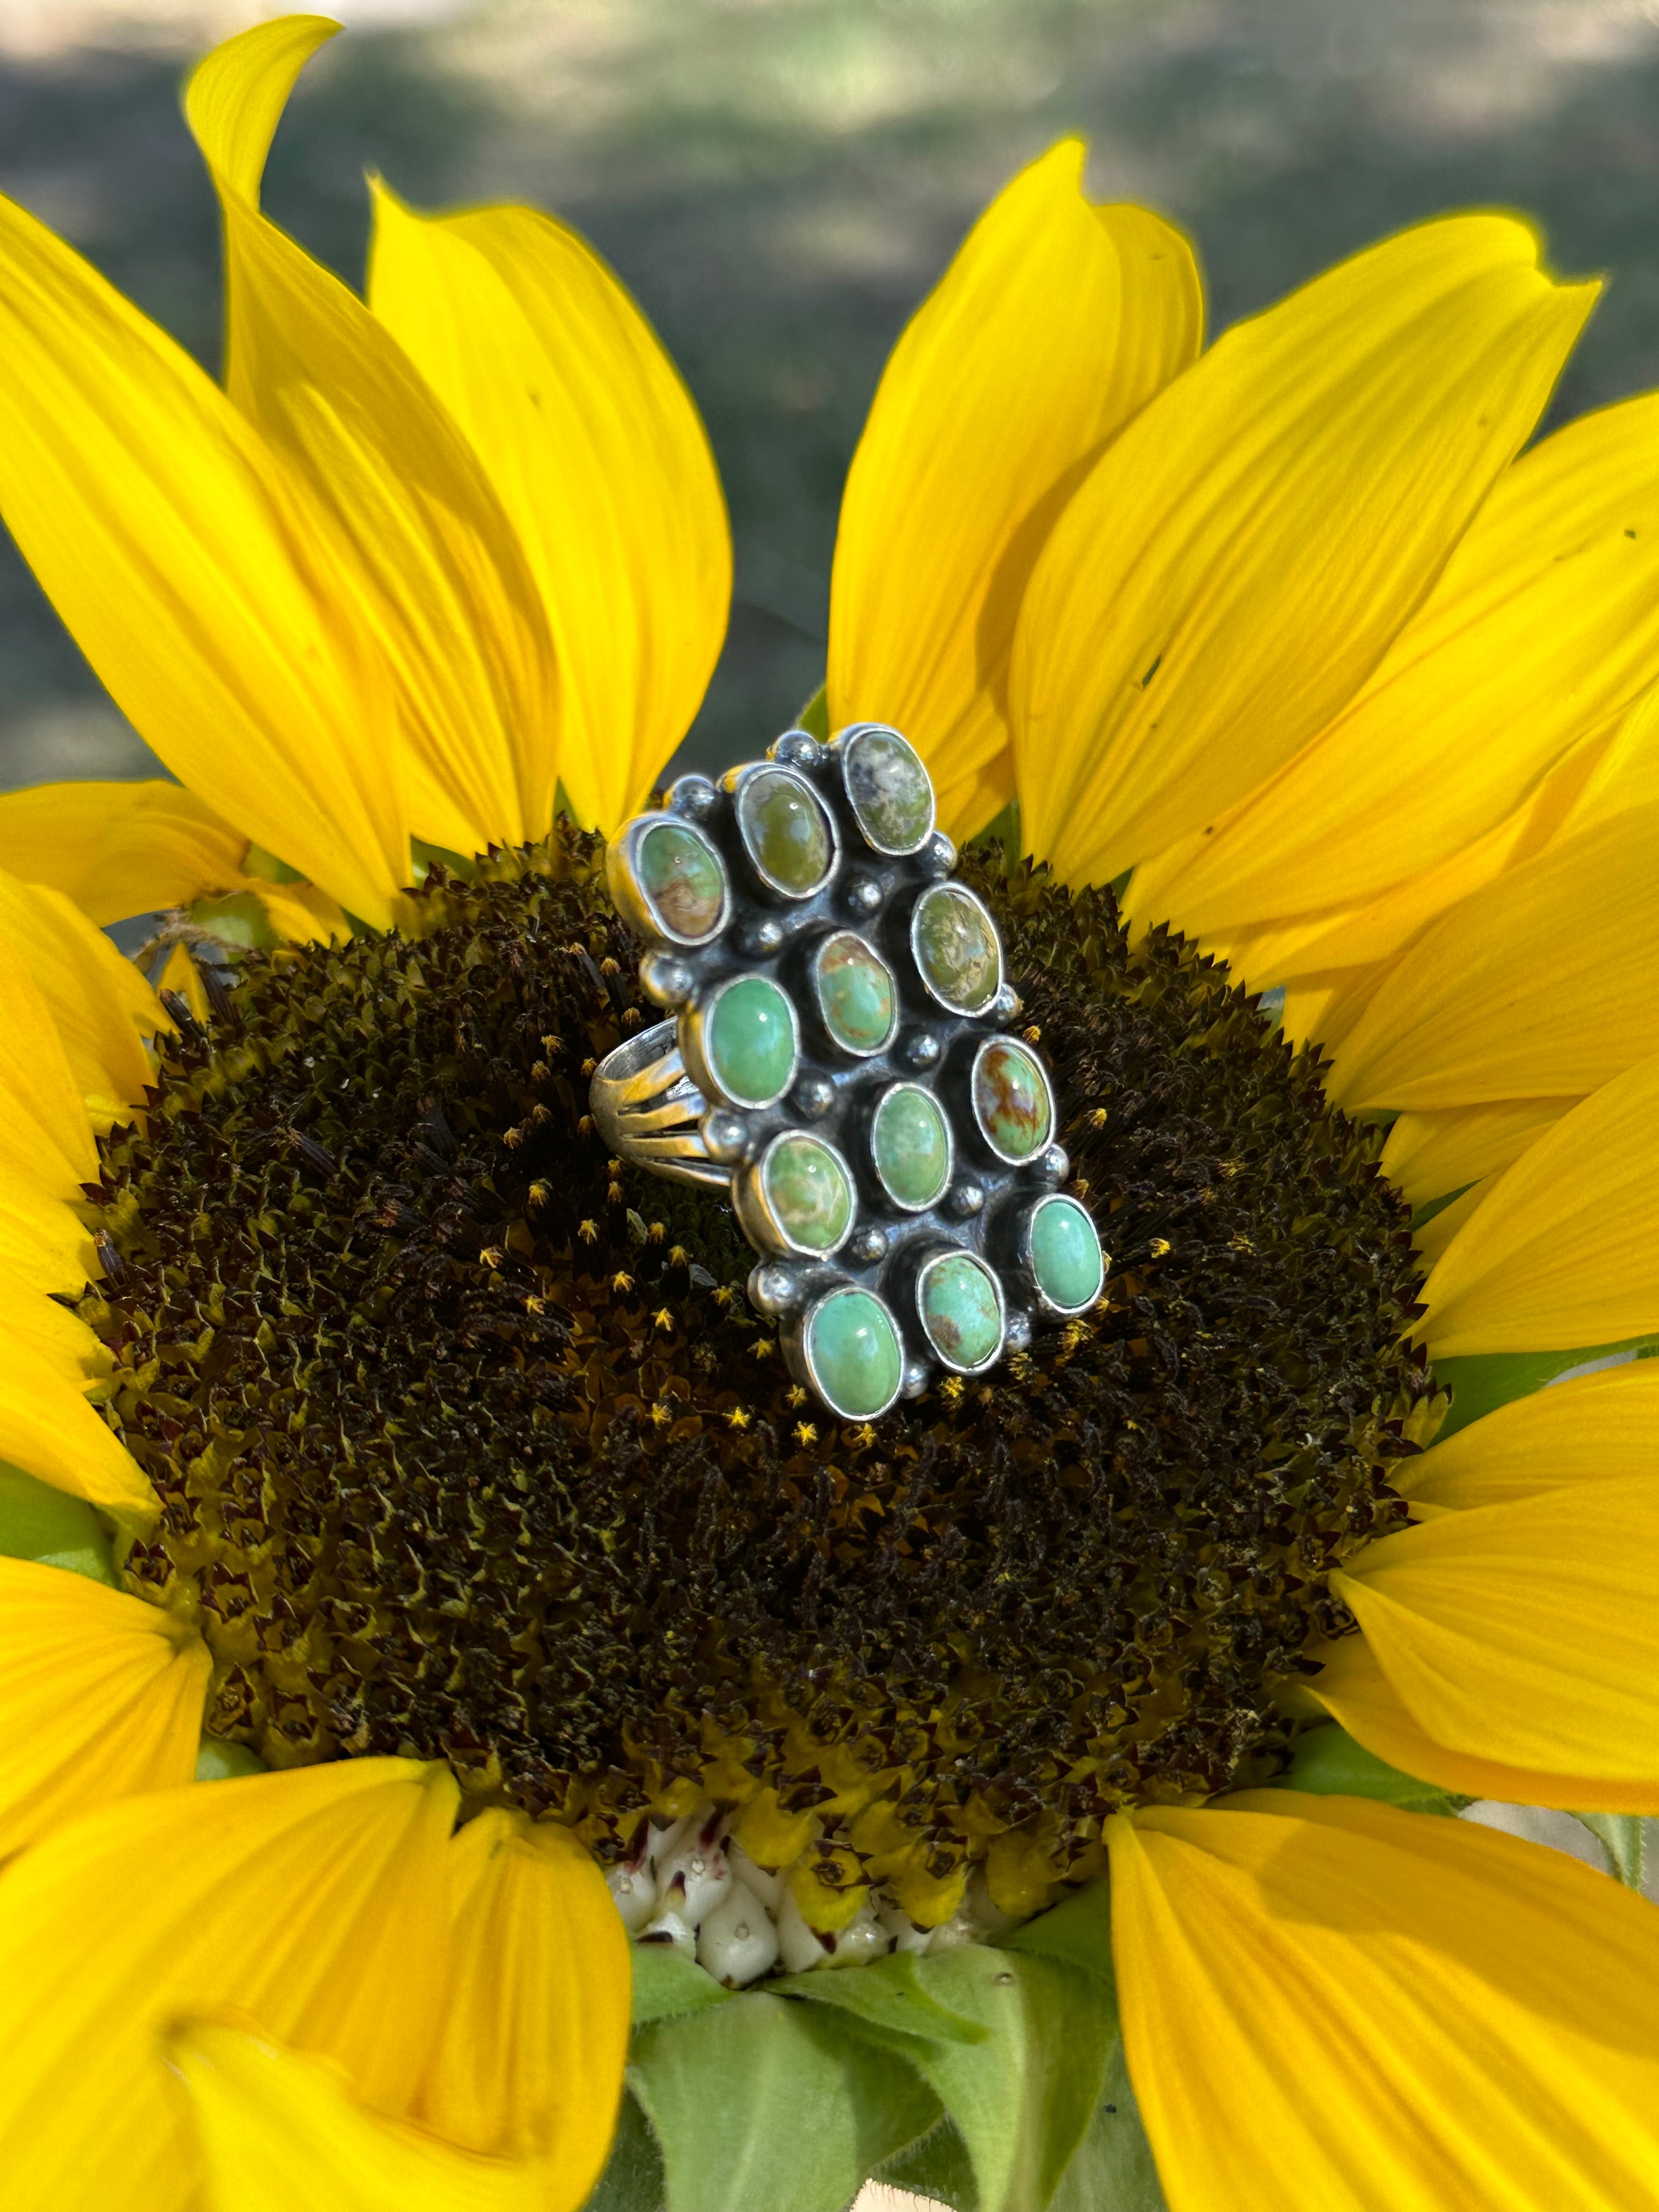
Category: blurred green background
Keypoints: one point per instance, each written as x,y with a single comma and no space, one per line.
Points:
780,180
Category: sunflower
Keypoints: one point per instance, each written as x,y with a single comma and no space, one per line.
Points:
1036,1796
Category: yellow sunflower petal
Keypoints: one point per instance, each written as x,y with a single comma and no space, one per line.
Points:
101,1697
48,1136
1398,2011
280,2132
1545,621
1355,1691
1241,557
1539,985
49,1429
448,596
535,2029
1429,1154
1056,322
120,848
1583,1431
149,512
311,1903
1561,1252
596,452
43,1246
60,1337
1526,1632
101,1005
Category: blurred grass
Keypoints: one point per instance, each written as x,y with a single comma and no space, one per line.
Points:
780,180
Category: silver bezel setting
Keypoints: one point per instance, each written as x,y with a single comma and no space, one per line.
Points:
936,1260
695,1025
810,1315
910,1206
846,743
947,888
757,1212
1010,1159
739,781
1027,1227
853,1051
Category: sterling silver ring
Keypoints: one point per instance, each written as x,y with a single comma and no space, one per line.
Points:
838,1062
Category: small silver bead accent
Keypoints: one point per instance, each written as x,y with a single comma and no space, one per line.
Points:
920,1049
726,1134
1008,1004
1056,1164
915,1379
693,797
664,978
798,749
776,1288
938,855
863,894
761,938
813,1097
868,1246
964,1200
1017,1333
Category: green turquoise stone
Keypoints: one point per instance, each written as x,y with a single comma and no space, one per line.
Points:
961,1311
786,830
890,790
1011,1100
857,995
956,947
810,1192
911,1144
750,1042
852,1346
683,880
1066,1256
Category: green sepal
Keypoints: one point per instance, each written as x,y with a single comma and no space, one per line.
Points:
887,1998
1003,829
1022,2100
936,2165
666,1986
1078,1932
256,862
762,2104
218,1760
1113,2169
1482,1382
1623,1837
633,2176
48,1526
814,716
238,920
1326,1762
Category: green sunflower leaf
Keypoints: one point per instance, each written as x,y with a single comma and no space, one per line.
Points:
888,1997
666,1986
1482,1382
1623,1837
1024,2099
633,2176
761,2105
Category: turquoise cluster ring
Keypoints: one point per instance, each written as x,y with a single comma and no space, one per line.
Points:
837,1058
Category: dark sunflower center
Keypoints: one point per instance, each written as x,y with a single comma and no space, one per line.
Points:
470,1445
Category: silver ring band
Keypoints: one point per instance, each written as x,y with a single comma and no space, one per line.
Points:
648,1110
